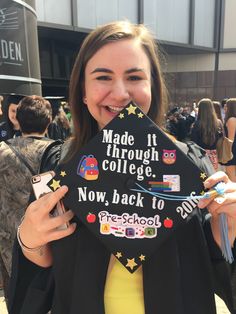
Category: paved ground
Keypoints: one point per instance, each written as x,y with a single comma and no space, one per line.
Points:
221,308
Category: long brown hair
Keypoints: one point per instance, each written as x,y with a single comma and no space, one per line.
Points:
208,122
217,107
230,109
85,126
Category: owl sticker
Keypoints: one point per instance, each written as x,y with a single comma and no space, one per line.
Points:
169,156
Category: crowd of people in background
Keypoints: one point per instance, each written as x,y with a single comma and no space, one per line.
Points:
28,124
204,123
60,126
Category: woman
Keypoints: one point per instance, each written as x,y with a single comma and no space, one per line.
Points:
207,129
217,107
230,130
10,128
117,62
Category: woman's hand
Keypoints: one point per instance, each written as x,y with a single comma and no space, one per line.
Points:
38,227
221,204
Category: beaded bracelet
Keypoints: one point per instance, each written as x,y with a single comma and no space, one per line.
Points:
26,248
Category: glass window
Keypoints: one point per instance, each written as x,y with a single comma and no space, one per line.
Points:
63,59
45,59
168,19
204,23
105,11
54,11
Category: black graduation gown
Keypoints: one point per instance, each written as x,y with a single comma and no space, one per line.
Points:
181,277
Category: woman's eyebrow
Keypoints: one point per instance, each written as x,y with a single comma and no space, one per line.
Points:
101,70
134,70
106,70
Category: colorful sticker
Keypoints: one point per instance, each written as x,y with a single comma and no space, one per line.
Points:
174,180
88,168
169,156
129,226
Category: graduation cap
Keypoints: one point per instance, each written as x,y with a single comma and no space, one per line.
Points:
14,98
131,186
55,102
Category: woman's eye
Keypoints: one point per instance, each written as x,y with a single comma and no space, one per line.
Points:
134,78
103,78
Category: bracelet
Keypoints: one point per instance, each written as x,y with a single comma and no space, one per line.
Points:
26,248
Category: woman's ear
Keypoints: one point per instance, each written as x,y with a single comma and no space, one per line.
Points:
85,100
84,94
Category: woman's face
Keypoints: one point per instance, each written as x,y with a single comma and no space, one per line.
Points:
118,73
12,115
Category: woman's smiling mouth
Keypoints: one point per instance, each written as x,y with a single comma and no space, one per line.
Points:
114,109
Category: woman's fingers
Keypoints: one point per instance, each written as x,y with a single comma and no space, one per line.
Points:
224,204
227,197
57,234
47,202
215,178
57,221
39,225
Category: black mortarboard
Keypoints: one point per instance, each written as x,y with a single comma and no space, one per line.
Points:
174,110
121,186
55,102
14,98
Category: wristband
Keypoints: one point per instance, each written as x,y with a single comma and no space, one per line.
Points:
26,248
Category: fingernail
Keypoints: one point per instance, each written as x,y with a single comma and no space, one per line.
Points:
219,200
206,184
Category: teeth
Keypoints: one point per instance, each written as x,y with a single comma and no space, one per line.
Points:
115,109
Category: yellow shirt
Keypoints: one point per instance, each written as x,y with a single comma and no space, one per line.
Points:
123,290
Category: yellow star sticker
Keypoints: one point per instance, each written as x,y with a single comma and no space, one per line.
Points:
203,175
121,116
131,109
118,254
202,193
63,173
131,263
142,257
140,115
55,184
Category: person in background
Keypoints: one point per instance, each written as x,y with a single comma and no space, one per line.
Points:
186,120
33,114
1,276
172,122
1,100
207,129
179,121
218,111
223,108
217,107
10,126
59,128
67,110
230,131
70,270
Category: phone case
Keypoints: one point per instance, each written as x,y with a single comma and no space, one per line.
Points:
39,183
40,188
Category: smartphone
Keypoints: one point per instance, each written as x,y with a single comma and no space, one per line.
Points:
40,188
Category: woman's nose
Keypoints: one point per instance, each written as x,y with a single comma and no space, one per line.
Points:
120,91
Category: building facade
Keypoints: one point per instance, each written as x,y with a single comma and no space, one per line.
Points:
196,37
